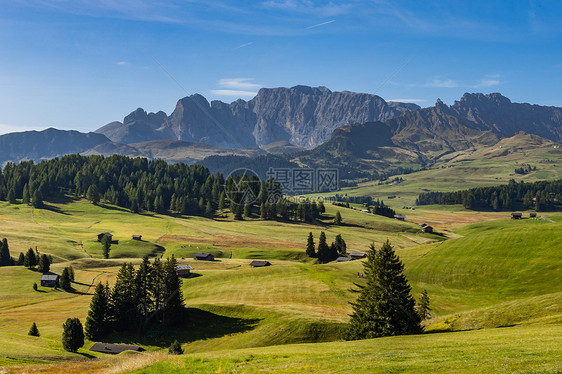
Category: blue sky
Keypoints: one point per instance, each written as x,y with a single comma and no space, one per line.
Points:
79,64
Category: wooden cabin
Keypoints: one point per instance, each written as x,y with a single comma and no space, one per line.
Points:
204,256
516,215
259,263
183,271
50,280
137,237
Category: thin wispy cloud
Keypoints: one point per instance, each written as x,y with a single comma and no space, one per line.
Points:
320,24
239,83
244,45
236,93
407,100
124,63
239,87
330,9
488,81
440,83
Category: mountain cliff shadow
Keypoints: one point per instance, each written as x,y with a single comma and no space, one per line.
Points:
195,324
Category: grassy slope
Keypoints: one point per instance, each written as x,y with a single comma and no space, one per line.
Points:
473,280
516,350
68,231
485,167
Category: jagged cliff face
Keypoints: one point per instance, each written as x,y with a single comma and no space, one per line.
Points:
304,116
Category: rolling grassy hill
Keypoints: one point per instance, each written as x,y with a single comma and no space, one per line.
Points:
493,273
487,166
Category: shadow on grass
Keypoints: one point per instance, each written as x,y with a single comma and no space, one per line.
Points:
194,324
87,355
54,209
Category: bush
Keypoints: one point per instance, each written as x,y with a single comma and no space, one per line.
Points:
34,286
175,348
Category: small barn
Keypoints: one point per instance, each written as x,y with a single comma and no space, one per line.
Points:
137,237
357,256
204,256
533,215
427,229
344,259
259,263
100,236
401,217
115,348
366,210
183,271
422,224
51,280
516,215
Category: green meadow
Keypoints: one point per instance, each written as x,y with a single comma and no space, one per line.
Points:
496,280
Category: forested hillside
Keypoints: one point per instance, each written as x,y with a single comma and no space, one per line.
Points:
541,196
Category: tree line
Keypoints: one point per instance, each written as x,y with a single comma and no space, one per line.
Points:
541,196
133,183
149,294
325,253
30,259
154,186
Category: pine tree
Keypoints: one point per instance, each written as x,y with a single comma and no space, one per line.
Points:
209,209
321,208
337,218
423,306
222,202
5,258
26,199
71,273
93,194
263,211
123,300
237,211
143,279
11,196
96,322
323,252
385,305
171,293
310,250
341,246
34,286
37,199
21,259
72,335
30,260
44,264
33,331
65,282
157,283
106,243
333,253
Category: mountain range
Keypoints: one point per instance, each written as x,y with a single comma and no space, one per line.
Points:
303,116
310,126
